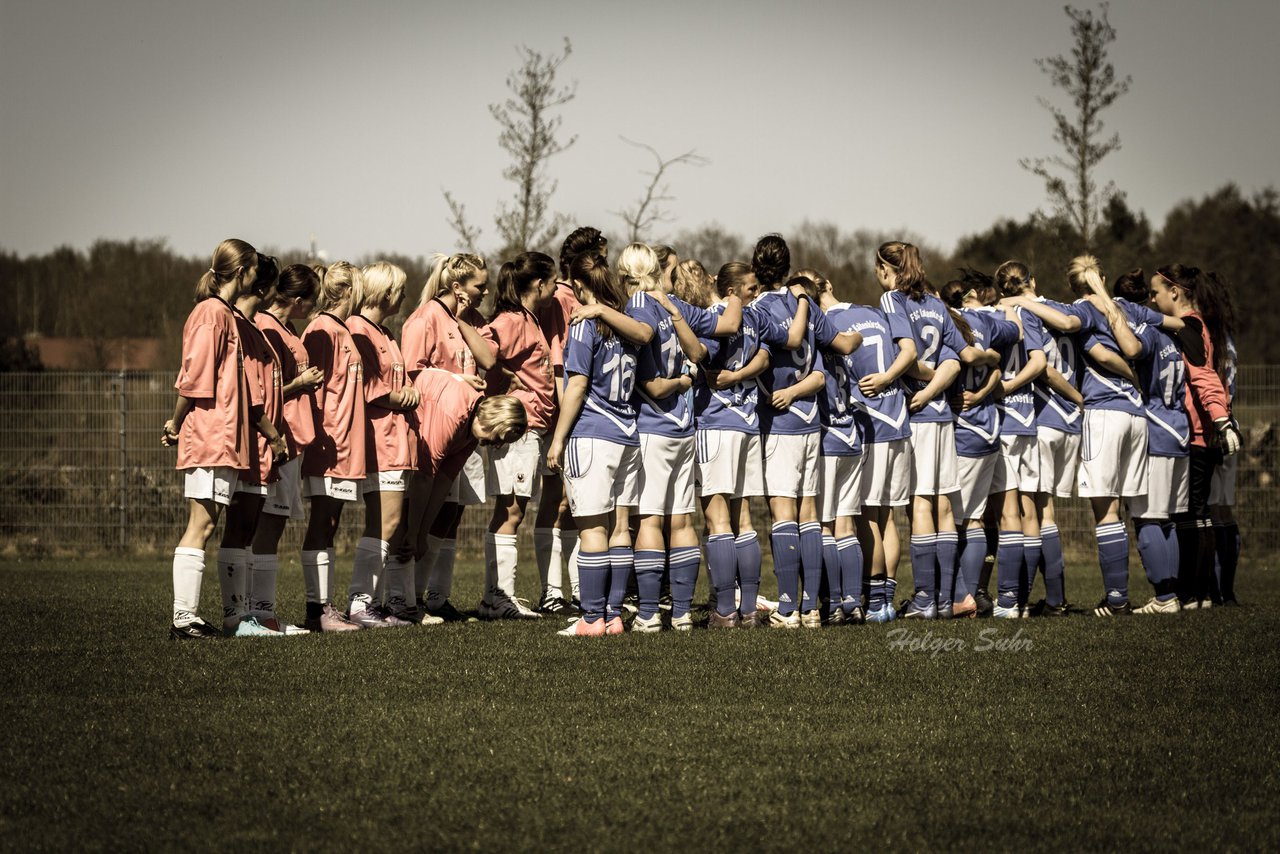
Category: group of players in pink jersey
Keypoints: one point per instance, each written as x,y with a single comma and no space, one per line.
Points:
620,397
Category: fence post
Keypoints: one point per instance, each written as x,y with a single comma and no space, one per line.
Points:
124,456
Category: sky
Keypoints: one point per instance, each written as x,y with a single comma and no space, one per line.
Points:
195,120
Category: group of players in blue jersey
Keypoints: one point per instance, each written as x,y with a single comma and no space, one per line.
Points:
973,406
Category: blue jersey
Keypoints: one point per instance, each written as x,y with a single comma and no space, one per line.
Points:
882,418
734,408
932,329
1101,388
662,358
610,368
841,436
978,428
1018,410
1163,378
1063,355
788,367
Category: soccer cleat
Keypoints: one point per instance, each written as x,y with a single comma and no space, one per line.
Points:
778,621
718,622
196,629
555,605
881,614
582,629
396,618
249,627
330,620
1010,612
750,621
965,609
664,602
502,607
682,624
367,618
912,611
648,626
982,601
945,611
441,608
855,617
525,611
811,619
1106,609
1155,606
766,606
1044,609
836,617
631,604
614,626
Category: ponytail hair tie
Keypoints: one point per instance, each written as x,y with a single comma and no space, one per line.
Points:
215,272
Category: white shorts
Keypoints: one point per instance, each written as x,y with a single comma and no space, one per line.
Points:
841,489
976,474
933,455
332,487
284,497
1168,489
886,473
514,468
600,476
1113,455
729,463
1222,489
1019,466
791,465
216,484
469,485
667,487
385,481
1059,461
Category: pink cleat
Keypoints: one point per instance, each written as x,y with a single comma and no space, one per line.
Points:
614,626
582,629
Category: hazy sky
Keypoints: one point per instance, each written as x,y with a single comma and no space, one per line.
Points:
273,120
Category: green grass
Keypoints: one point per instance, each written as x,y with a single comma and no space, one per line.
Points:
1146,732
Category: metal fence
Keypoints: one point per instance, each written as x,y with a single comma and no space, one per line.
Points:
82,470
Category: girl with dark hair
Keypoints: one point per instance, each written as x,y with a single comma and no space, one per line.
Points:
293,298
597,446
790,429
1187,293
1222,492
911,304
522,367
210,423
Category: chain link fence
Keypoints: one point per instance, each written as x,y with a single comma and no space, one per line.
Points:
82,471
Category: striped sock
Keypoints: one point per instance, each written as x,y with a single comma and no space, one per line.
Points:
1008,567
785,543
831,568
1113,558
722,566
747,550
684,562
811,563
1031,550
849,554
948,544
621,565
1054,565
593,575
649,565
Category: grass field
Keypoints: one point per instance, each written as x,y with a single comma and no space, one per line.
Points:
1146,732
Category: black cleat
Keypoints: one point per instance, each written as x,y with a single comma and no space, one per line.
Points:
985,606
197,629
1106,609
1044,609
557,606
444,611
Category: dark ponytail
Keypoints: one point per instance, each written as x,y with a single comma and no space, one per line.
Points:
516,277
1213,302
904,260
230,259
296,280
771,261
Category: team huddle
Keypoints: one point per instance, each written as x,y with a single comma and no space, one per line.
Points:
622,397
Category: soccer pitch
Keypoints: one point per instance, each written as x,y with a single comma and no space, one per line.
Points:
1140,732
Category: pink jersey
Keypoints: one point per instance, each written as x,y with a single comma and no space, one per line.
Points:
431,340
517,342
339,448
262,374
299,419
216,429
554,319
390,445
444,422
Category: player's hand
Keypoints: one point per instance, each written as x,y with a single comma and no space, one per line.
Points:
665,301
279,450
720,379
464,302
586,312
686,383
918,401
312,377
1228,436
555,454
169,435
474,381
409,397
873,384
968,400
782,399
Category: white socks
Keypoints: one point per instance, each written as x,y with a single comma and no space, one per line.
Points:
371,555
500,558
188,572
546,551
317,574
565,538
233,578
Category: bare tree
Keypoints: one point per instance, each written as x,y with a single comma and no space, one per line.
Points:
1090,79
648,211
468,235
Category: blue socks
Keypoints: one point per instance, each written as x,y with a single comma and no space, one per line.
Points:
785,542
1009,568
593,584
924,557
948,543
831,566
973,555
649,566
684,562
1154,553
748,548
876,599
722,566
621,564
1113,558
1054,566
811,562
1031,550
849,556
